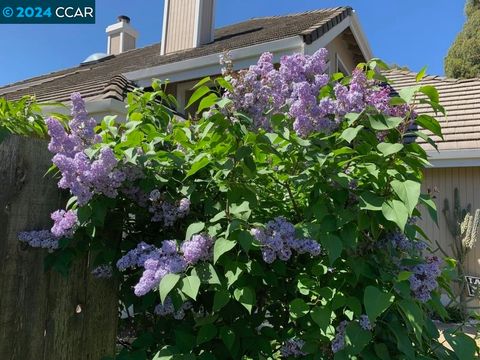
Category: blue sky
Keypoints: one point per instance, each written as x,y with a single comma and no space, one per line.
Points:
406,32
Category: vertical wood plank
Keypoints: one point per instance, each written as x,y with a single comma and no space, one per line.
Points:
39,317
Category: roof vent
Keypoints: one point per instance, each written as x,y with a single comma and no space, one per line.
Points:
124,18
96,58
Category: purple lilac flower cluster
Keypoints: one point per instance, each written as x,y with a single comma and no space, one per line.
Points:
278,240
198,248
401,242
129,189
80,174
166,212
158,262
136,258
167,308
103,272
156,268
64,223
338,342
424,278
293,348
365,323
295,86
43,239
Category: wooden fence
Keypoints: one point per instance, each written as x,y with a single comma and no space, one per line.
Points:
44,316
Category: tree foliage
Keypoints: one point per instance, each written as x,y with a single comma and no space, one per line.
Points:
463,58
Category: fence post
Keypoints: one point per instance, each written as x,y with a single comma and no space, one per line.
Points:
43,315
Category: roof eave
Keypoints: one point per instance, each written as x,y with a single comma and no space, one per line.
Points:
324,33
209,65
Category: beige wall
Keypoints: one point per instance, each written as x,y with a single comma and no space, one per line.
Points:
115,44
180,28
129,42
338,47
443,183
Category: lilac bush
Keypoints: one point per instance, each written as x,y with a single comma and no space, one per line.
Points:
278,223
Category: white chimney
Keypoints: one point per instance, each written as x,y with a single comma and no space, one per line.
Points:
121,36
187,24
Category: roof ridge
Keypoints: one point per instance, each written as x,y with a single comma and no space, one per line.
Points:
314,11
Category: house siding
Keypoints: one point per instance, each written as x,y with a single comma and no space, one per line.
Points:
339,48
442,184
180,25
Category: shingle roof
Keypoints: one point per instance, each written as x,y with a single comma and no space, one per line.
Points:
461,126
103,80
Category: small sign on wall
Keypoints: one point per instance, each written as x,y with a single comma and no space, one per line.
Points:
473,285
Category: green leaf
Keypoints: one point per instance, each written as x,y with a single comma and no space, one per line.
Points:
167,284
4,134
376,302
233,274
334,246
228,337
220,299
356,338
381,350
221,215
298,308
224,83
206,273
207,102
414,315
241,211
322,316
421,74
408,93
429,123
409,192
204,81
351,118
198,164
463,345
220,247
190,286
197,95
206,333
431,207
370,201
404,343
193,229
351,133
382,123
397,212
246,297
404,275
388,149
431,92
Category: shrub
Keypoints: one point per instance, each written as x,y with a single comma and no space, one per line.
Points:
280,223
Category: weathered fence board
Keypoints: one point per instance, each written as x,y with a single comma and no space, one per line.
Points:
44,316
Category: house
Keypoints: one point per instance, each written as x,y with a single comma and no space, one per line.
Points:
190,50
